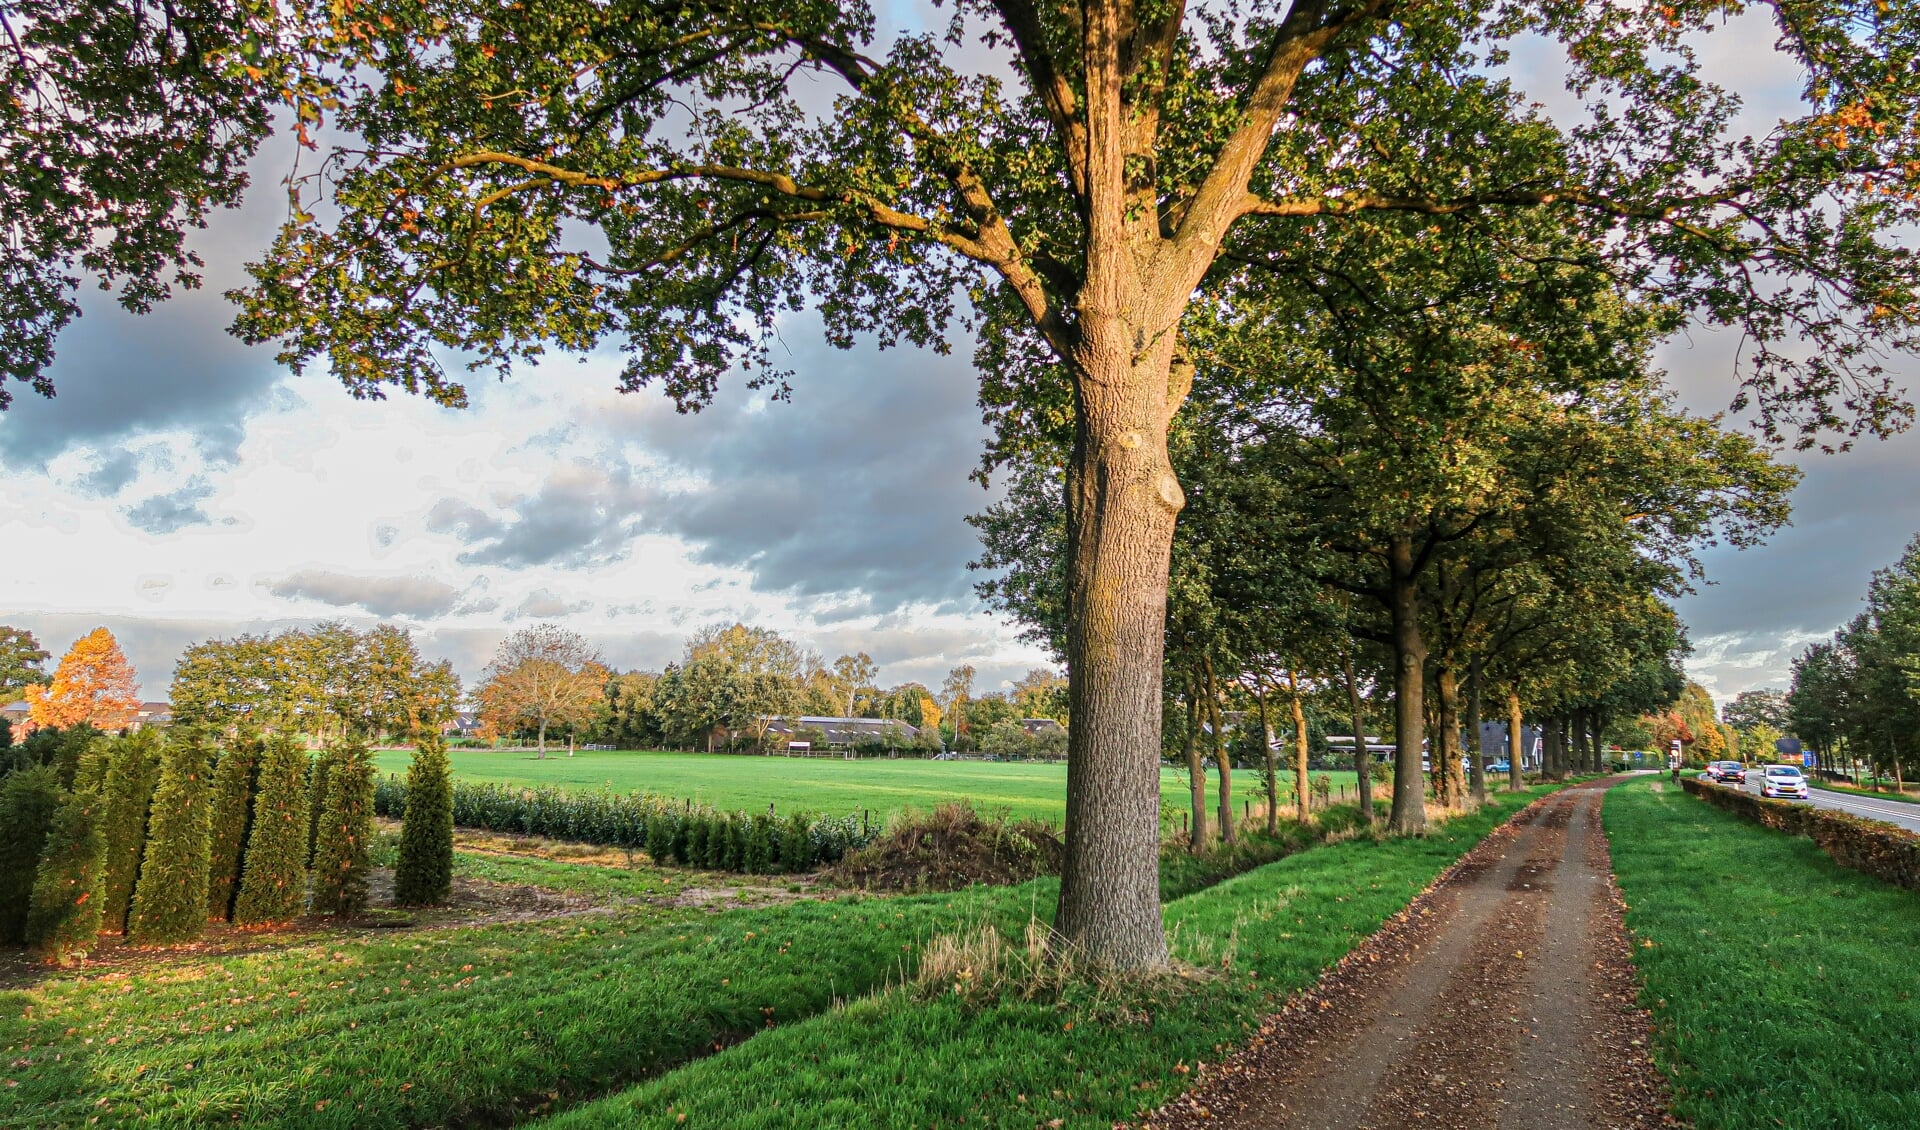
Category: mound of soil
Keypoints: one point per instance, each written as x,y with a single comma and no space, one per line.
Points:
953,847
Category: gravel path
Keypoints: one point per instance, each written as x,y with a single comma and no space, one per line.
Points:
1502,999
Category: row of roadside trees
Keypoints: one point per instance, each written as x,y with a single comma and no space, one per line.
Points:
1854,700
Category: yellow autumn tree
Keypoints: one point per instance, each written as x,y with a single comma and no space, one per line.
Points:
93,684
929,713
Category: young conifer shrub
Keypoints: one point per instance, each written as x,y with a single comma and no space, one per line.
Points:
65,916
682,839
697,825
739,827
317,773
346,832
227,833
759,856
796,843
719,838
170,901
76,746
28,800
660,838
133,772
273,873
424,873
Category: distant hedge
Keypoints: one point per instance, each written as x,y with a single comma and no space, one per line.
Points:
1878,849
681,832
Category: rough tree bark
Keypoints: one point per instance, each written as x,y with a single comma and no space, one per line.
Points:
1221,759
1476,760
1446,758
1409,815
1516,743
1362,760
1273,767
1303,808
1196,776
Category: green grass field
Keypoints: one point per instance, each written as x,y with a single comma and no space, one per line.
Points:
818,784
1784,988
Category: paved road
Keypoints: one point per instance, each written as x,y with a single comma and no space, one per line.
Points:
1904,814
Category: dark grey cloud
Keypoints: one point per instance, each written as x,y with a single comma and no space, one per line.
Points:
583,515
851,497
173,511
120,375
418,598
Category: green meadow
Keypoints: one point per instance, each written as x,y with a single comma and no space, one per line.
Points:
819,784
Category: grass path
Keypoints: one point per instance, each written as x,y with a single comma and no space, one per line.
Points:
821,784
1784,988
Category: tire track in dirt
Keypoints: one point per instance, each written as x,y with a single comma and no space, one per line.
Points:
1495,1002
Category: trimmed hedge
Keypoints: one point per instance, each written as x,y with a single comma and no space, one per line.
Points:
669,830
1881,850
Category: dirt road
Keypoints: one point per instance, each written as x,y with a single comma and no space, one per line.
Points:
1501,1000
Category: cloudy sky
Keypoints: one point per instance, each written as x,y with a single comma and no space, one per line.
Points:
182,486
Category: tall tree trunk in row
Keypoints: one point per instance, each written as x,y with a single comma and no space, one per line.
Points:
1362,760
1266,753
1221,758
1476,761
1409,815
1302,807
1550,738
1446,759
1516,743
1196,772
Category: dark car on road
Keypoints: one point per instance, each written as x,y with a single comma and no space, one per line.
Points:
1726,772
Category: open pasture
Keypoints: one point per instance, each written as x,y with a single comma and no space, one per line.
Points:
818,784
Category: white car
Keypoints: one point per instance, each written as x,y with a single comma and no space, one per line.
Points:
1783,781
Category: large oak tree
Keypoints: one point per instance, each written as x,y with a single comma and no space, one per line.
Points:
512,179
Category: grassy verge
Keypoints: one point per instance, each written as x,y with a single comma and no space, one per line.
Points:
1835,787
1783,985
979,1054
472,1026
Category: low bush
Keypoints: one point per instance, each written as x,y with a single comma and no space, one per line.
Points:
1882,850
954,847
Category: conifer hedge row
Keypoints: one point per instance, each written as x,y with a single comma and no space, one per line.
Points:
152,836
670,831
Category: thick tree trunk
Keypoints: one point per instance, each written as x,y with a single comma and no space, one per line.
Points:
1302,806
1409,814
1272,764
543,739
1550,749
1221,759
1476,761
1196,776
1516,743
1122,498
1362,760
1453,782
